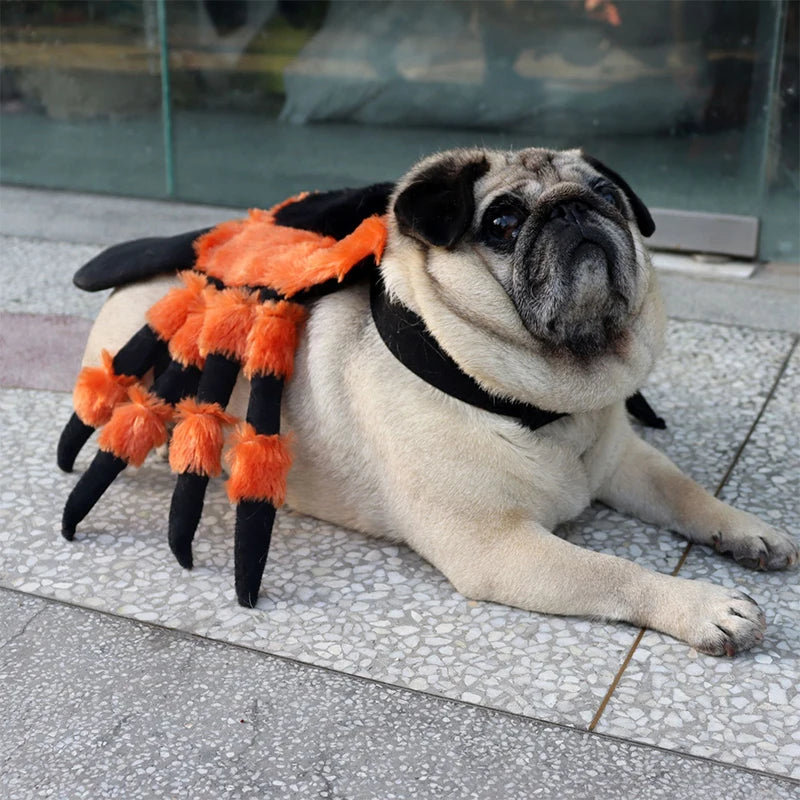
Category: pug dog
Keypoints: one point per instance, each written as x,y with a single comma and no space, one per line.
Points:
528,269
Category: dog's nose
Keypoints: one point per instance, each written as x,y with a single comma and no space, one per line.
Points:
571,211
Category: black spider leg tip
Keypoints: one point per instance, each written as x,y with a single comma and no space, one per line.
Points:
255,518
254,521
172,386
175,382
215,386
74,436
135,357
643,411
89,489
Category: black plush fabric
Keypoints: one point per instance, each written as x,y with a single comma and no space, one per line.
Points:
185,511
139,353
264,407
255,517
254,521
217,380
176,382
89,489
337,213
136,260
74,436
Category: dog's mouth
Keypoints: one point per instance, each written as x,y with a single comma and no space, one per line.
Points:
574,278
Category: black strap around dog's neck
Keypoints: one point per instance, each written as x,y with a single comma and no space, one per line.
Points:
410,342
406,336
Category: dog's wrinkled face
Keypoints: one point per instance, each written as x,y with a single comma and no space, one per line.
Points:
557,229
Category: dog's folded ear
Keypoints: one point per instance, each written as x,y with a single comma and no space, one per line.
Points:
437,207
643,218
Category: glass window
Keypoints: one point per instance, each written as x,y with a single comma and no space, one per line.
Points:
80,94
694,102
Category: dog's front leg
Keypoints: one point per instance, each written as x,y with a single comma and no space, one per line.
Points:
647,484
529,567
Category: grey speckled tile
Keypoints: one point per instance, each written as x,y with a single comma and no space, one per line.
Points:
98,707
37,278
337,599
99,218
746,710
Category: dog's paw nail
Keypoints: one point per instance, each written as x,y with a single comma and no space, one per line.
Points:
730,650
729,622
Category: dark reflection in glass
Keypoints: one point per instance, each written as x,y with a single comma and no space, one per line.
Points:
780,226
693,100
80,95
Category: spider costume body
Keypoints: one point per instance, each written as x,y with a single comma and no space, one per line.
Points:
241,308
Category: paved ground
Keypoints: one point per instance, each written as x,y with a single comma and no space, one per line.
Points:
362,674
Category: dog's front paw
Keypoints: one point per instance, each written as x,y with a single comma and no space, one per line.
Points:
755,544
723,621
711,618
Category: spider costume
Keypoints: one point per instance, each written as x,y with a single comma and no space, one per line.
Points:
241,308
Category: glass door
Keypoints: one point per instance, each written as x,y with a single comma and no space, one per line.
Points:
243,102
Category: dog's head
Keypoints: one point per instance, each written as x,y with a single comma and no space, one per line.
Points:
558,230
543,248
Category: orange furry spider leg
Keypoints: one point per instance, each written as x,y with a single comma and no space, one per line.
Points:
260,457
199,436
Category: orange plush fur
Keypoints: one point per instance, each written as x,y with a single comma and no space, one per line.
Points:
257,252
184,346
170,313
198,319
98,390
227,322
135,428
272,342
258,466
333,261
196,443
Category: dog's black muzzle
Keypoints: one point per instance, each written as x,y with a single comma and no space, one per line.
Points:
574,270
573,230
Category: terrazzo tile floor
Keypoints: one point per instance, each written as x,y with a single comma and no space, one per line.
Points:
365,609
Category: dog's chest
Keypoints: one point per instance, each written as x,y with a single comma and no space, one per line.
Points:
375,445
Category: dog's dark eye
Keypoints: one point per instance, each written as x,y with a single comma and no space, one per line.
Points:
506,226
502,224
609,195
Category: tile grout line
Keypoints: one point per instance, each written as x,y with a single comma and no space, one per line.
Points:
617,678
687,549
363,679
773,389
